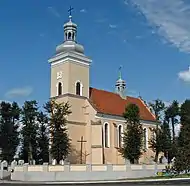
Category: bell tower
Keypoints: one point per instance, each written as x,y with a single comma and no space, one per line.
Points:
69,66
120,86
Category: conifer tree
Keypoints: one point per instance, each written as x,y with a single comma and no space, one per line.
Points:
59,139
166,140
29,131
43,138
132,138
9,123
182,158
171,114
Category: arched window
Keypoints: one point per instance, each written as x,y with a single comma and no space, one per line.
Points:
78,88
69,35
73,37
59,89
120,136
106,135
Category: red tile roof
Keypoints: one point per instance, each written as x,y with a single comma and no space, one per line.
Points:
111,103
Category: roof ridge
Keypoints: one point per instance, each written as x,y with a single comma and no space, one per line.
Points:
146,107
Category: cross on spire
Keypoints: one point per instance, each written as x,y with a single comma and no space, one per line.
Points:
70,11
120,72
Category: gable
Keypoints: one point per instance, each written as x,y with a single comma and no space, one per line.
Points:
112,104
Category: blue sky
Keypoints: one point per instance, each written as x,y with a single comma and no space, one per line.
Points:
149,38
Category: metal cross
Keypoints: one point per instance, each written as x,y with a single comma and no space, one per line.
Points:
70,10
81,141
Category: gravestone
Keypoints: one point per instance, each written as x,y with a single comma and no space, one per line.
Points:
20,162
61,162
164,160
4,165
13,164
54,162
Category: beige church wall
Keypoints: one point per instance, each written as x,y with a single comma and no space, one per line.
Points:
77,107
93,134
79,72
112,155
64,68
75,132
70,74
97,157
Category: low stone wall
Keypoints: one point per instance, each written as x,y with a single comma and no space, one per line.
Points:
82,172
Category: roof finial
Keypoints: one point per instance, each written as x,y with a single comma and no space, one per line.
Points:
70,11
120,72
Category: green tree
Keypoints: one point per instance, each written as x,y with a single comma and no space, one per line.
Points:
166,140
43,138
29,131
156,143
9,124
182,158
132,139
59,139
171,113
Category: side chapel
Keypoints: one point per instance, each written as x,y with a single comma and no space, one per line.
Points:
96,114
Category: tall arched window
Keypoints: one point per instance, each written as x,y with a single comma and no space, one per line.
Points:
59,89
106,135
120,136
78,88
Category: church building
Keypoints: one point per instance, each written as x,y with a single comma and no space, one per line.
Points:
96,123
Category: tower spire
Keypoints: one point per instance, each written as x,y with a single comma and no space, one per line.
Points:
120,85
70,13
120,72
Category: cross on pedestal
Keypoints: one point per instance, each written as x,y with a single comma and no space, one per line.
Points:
81,141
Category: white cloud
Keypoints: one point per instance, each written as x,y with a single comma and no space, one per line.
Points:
54,11
185,75
19,92
112,26
83,10
170,18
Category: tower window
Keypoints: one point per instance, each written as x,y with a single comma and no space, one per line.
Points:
78,88
60,89
69,35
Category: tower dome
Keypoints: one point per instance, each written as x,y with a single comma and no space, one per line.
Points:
70,43
120,85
